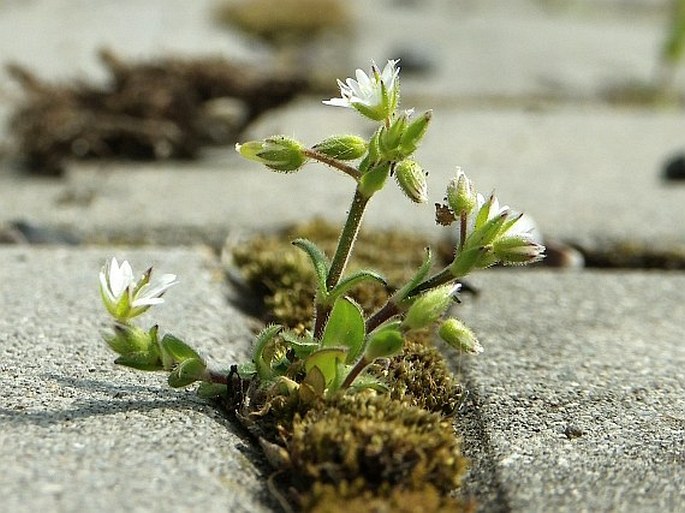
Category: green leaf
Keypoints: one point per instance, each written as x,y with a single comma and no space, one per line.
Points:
187,372
364,381
326,360
208,390
345,328
313,385
302,345
418,277
263,338
319,262
179,350
384,342
353,280
141,360
247,370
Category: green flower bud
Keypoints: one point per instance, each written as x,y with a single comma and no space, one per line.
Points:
517,250
461,194
468,260
389,138
131,339
374,179
412,180
413,134
459,336
383,343
279,153
343,147
430,306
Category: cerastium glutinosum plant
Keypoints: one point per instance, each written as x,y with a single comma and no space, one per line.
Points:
343,341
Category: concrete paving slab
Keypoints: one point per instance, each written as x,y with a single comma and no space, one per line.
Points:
577,403
81,434
588,176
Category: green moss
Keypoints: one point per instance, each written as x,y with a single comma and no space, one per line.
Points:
361,451
329,498
382,440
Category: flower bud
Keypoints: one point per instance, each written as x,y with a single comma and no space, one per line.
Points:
461,194
384,343
459,336
374,179
412,180
430,306
343,147
413,134
517,250
279,153
468,260
389,138
130,339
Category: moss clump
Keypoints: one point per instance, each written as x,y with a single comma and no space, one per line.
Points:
360,451
420,377
330,498
282,21
282,275
380,439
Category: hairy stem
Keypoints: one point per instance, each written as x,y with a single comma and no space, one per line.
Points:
342,255
354,372
391,307
330,161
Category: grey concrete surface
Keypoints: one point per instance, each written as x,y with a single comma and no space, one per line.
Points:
586,176
78,433
577,403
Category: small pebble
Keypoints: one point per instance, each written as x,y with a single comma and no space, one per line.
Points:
572,431
674,169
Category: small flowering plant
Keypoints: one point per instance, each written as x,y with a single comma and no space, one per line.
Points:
343,341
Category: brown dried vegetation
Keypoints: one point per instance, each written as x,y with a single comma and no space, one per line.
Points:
149,110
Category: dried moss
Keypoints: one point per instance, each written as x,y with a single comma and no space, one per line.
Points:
148,110
282,276
281,21
380,439
333,498
420,377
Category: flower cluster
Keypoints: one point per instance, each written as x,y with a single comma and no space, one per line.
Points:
344,340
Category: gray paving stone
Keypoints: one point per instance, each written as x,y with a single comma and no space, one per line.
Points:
81,434
577,403
588,176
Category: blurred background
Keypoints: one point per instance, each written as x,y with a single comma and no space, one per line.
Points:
590,92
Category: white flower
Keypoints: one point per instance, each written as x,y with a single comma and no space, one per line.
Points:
374,96
484,211
124,297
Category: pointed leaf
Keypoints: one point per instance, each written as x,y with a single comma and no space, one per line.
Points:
179,350
313,385
345,328
326,360
141,360
302,345
187,372
418,277
353,280
263,338
208,390
319,262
